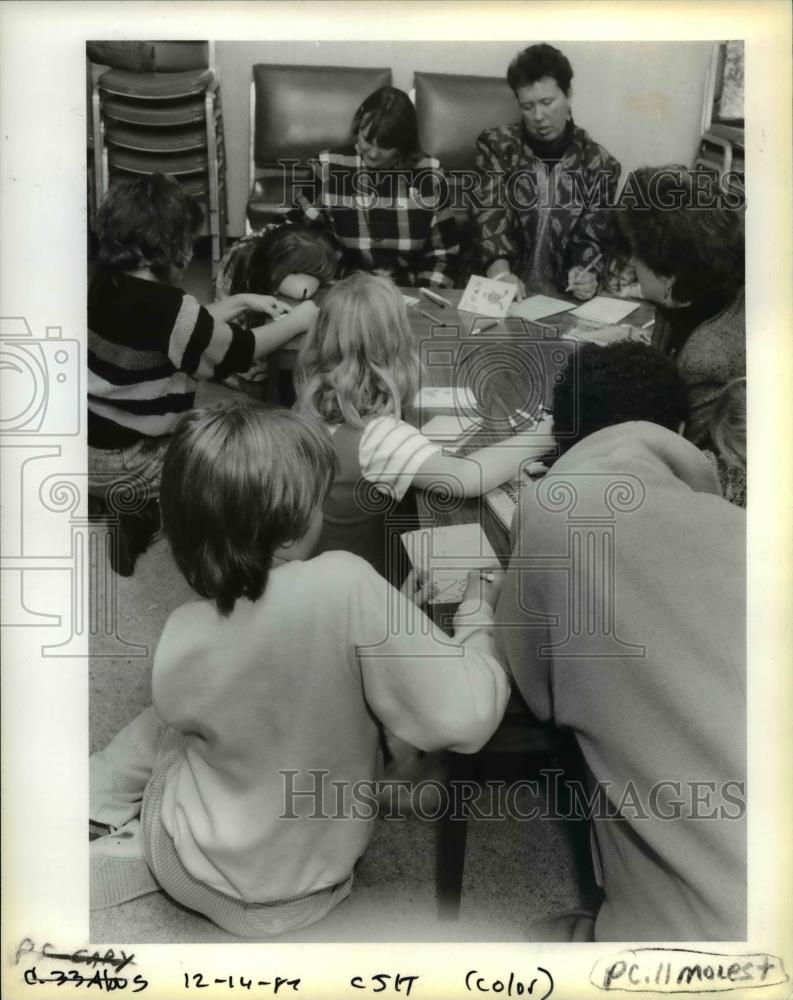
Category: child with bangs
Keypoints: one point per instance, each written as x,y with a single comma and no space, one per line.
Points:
253,772
358,371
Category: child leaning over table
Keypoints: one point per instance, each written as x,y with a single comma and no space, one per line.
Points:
358,371
285,666
149,343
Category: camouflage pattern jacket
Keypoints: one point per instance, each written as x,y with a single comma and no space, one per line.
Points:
509,206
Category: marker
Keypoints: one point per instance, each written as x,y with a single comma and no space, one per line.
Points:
434,319
646,326
434,297
587,269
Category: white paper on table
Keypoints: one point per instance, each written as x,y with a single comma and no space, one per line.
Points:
410,300
452,397
603,309
450,427
487,297
598,333
538,306
447,554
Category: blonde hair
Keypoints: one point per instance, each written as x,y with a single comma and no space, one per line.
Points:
728,423
360,359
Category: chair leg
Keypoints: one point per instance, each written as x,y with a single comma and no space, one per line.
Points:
450,843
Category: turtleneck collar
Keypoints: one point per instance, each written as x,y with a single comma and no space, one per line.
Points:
554,149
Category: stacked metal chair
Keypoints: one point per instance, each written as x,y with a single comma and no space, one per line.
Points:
164,122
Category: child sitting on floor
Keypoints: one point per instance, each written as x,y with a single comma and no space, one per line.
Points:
357,372
253,772
149,342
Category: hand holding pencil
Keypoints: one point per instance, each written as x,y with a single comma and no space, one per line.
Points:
582,282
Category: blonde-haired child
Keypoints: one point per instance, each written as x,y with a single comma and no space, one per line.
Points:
253,774
358,370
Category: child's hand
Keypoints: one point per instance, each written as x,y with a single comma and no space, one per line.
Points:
266,304
583,284
484,585
418,586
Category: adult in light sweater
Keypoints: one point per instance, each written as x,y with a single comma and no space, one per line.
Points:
622,619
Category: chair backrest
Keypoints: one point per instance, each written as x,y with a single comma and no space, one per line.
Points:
452,110
297,111
151,57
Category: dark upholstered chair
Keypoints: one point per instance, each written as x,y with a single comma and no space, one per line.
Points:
452,110
296,112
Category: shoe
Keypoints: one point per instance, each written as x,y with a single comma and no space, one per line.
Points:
571,925
118,871
135,533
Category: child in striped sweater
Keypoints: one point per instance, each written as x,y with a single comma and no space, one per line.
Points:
149,343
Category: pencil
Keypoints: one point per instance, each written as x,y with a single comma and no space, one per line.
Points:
434,297
646,326
487,325
435,320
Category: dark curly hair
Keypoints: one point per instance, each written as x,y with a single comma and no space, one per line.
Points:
602,386
237,483
537,61
683,225
388,118
274,255
149,222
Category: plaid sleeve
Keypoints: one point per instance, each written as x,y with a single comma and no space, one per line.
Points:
439,258
310,208
493,217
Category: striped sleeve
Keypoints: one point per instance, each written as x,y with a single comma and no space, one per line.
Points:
203,349
390,454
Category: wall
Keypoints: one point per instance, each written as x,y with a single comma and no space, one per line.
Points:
641,100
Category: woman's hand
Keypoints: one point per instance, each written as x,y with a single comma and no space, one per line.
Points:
484,585
266,304
583,284
418,586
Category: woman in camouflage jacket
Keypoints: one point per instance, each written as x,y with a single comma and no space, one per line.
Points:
542,212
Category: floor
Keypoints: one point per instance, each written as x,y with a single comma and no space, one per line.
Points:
515,870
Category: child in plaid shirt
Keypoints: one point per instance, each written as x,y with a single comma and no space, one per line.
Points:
384,201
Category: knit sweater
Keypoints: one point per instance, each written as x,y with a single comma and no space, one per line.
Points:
148,343
713,355
647,670
283,696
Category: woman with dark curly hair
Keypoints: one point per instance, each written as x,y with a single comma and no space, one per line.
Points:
545,186
686,240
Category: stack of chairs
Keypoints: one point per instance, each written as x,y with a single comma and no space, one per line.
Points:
171,122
